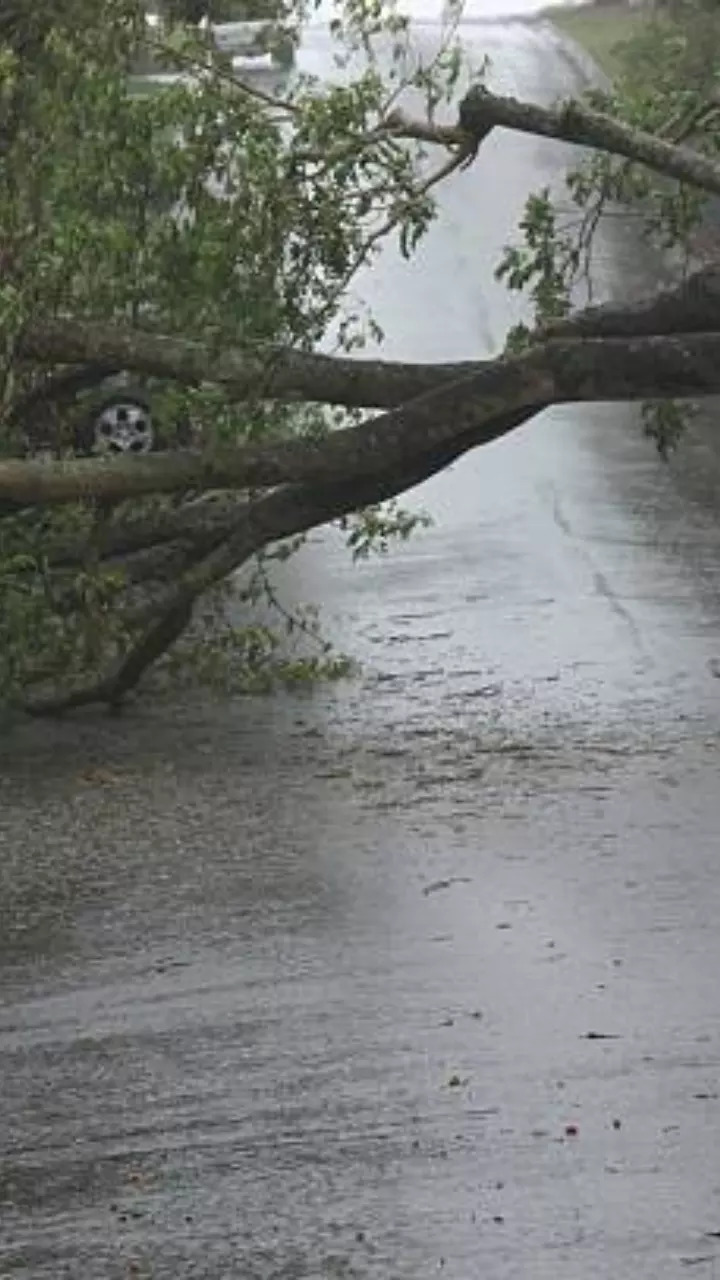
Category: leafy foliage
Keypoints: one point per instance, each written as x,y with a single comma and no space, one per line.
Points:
204,210
668,84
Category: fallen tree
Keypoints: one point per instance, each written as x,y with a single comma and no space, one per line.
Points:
212,254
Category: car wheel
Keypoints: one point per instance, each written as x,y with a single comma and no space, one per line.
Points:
122,424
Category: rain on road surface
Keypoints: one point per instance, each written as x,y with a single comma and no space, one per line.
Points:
416,976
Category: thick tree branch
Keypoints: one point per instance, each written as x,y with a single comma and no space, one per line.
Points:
201,522
577,123
557,371
293,509
382,441
574,122
284,374
691,307
283,514
237,533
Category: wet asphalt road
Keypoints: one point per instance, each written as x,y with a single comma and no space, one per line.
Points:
318,986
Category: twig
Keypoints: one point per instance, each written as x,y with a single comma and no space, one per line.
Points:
461,158
294,621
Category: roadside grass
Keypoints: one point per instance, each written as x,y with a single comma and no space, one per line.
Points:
599,30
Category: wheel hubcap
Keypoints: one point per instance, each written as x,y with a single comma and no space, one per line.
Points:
124,427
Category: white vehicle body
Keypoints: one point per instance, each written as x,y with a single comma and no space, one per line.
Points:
241,39
245,43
